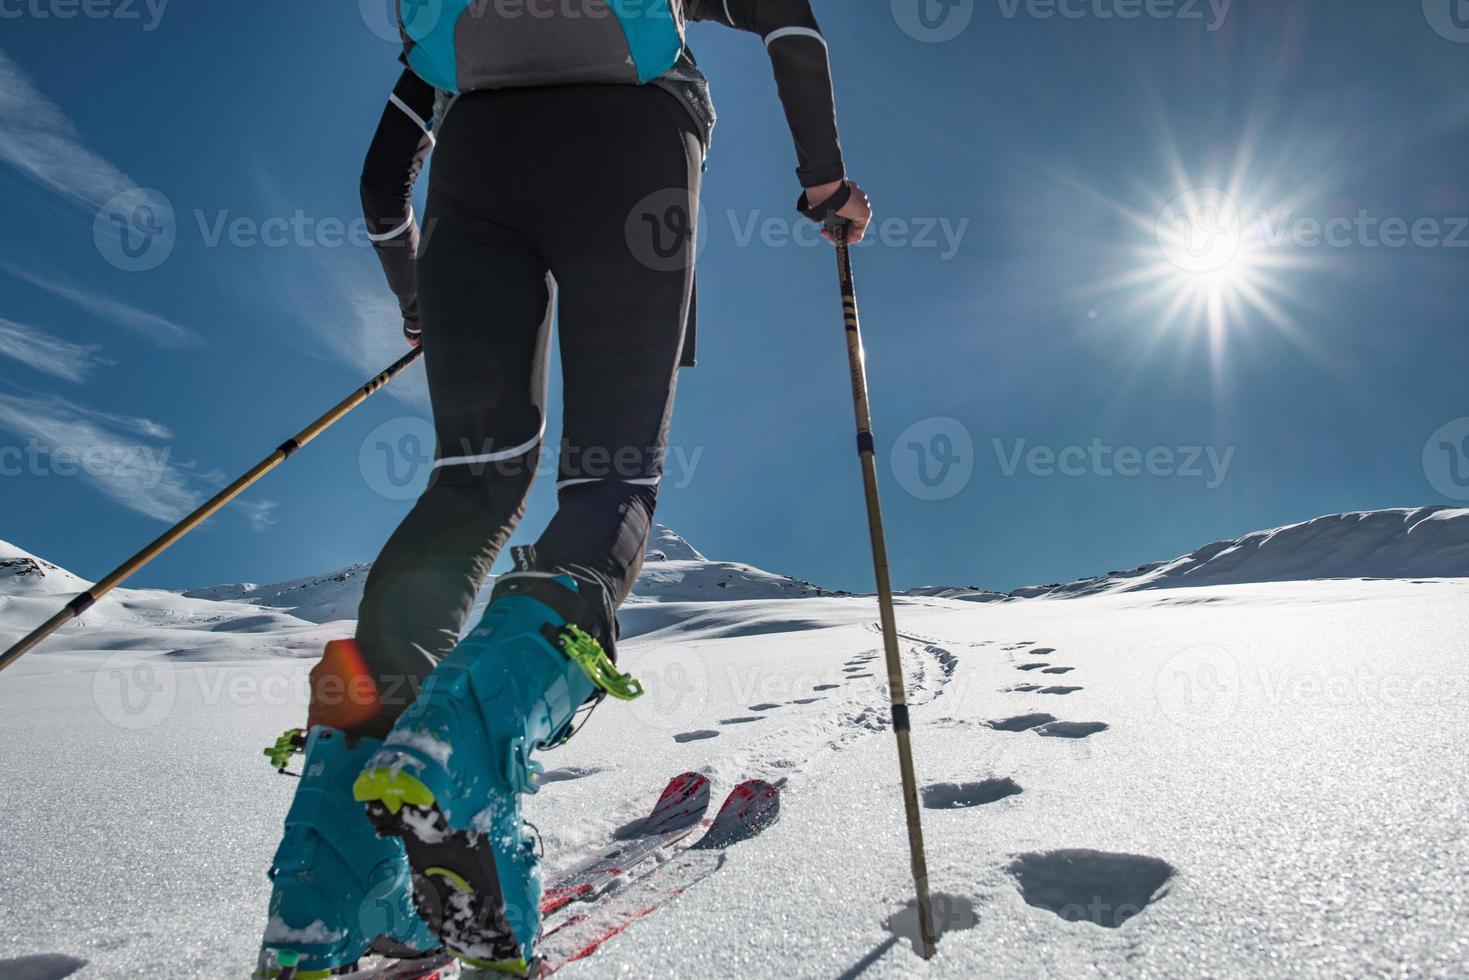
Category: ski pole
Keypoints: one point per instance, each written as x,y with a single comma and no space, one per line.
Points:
866,449
117,576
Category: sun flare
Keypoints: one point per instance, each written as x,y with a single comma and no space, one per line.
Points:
1206,257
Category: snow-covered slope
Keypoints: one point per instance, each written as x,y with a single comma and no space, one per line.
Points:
968,593
1154,779
680,589
317,598
23,575
32,589
1421,543
1232,781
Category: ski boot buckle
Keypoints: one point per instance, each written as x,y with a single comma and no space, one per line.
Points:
582,649
292,743
525,772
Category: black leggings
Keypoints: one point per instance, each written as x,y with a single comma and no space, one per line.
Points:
591,185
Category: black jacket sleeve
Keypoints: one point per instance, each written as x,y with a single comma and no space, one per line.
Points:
798,54
394,161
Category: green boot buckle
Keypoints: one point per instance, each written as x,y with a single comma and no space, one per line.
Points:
285,747
582,649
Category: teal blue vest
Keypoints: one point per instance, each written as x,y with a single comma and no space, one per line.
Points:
463,45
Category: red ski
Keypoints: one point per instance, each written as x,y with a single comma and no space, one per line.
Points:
677,812
752,807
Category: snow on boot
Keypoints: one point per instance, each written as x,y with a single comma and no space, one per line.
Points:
449,777
339,888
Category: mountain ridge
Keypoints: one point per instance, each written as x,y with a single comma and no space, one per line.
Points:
1406,543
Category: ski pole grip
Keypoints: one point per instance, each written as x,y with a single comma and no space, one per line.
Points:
825,213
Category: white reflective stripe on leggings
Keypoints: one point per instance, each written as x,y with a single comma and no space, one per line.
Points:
646,481
389,235
498,457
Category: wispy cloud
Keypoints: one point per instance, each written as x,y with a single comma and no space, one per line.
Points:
369,333
50,355
353,316
38,139
339,297
121,456
156,328
260,513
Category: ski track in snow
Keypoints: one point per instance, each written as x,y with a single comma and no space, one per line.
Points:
1064,882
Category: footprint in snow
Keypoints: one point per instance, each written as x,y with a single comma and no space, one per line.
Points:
826,687
957,796
1022,723
741,721
1071,729
1042,651
857,677
697,736
42,966
1022,688
807,700
948,661
1091,886
1059,689
1031,666
1058,670
951,913
569,773
763,707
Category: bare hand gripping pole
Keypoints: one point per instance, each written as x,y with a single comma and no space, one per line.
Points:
839,226
115,578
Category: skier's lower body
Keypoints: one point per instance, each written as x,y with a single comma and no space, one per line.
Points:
594,186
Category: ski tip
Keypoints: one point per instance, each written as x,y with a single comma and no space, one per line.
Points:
751,808
684,784
681,805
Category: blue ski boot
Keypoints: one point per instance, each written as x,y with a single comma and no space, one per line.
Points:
449,777
340,891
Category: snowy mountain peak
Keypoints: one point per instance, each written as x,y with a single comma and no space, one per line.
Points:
316,598
666,545
22,573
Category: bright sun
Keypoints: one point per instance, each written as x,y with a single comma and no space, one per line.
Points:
1206,259
1199,232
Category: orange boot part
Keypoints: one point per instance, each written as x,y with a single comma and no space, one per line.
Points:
343,692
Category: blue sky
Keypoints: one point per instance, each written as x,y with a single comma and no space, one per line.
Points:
1048,310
